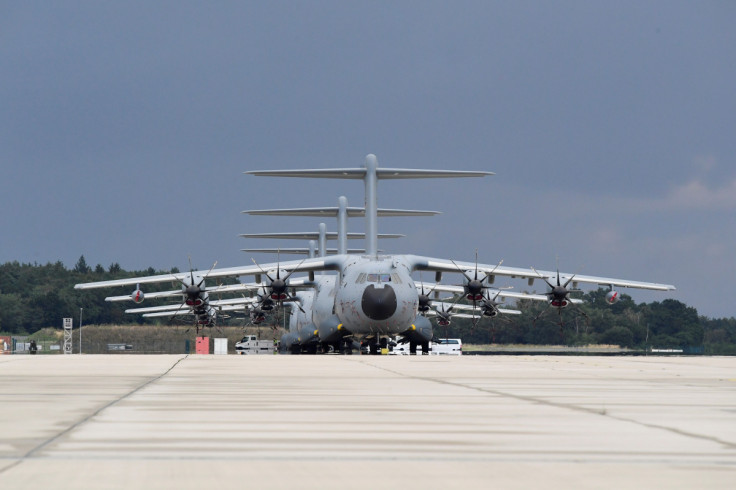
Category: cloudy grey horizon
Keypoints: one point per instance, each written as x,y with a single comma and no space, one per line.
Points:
126,129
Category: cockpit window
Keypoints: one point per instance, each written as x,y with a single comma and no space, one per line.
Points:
379,277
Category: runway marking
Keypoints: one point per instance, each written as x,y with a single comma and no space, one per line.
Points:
541,401
52,439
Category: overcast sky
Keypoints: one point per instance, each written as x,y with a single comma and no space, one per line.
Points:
125,129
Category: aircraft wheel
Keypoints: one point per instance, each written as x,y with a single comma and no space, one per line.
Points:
346,347
425,348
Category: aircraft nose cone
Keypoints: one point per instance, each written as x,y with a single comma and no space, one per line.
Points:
379,304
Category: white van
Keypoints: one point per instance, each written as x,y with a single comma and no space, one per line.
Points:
251,345
453,347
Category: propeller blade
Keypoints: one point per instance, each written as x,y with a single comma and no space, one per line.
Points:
572,277
534,322
461,271
543,278
492,271
294,269
476,264
208,273
262,271
176,313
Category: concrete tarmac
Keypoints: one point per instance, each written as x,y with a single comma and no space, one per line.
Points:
127,421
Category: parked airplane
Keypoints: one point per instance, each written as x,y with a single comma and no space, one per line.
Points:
375,295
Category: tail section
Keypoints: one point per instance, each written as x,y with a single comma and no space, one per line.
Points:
370,174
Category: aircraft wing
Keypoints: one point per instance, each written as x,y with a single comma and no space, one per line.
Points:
159,294
457,315
230,288
478,311
184,307
448,288
315,264
165,308
167,313
440,265
236,308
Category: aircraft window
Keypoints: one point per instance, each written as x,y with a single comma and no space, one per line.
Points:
379,277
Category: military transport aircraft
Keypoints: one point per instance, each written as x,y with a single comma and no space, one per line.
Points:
374,296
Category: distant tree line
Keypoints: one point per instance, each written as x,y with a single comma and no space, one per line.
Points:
666,324
34,296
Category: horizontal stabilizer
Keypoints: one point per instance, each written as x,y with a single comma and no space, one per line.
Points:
313,235
359,173
296,251
333,211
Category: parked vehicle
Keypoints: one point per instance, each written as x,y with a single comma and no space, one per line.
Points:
453,347
251,345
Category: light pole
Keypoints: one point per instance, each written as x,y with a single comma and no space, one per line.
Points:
80,330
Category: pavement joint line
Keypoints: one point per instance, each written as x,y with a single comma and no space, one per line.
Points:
32,452
541,401
506,457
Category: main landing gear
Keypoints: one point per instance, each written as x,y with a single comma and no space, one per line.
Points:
413,348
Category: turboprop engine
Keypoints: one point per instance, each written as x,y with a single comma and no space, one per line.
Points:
612,297
278,285
474,286
194,291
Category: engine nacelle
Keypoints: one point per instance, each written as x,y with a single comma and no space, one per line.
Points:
473,287
137,296
612,297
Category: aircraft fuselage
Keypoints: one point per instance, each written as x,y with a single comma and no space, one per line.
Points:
376,296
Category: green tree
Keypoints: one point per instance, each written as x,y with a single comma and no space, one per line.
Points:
81,266
673,323
621,336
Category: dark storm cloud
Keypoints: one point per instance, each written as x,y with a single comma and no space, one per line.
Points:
125,129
